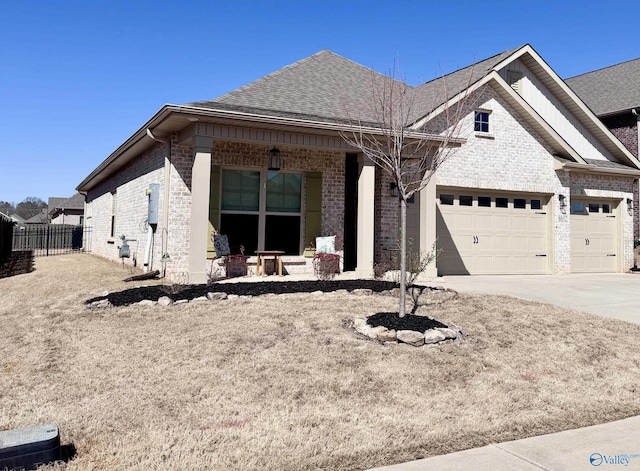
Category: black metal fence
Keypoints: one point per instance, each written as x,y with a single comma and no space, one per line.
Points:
6,237
49,239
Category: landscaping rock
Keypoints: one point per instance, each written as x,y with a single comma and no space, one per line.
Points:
317,293
374,332
411,337
199,299
362,292
101,304
181,301
448,333
146,302
433,336
165,301
233,296
387,336
217,296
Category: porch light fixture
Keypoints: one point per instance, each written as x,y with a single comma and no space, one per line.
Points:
393,189
630,206
274,159
563,204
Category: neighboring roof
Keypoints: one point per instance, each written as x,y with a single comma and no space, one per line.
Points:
17,218
54,202
76,203
322,87
40,218
612,90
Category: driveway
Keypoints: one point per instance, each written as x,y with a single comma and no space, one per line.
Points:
615,295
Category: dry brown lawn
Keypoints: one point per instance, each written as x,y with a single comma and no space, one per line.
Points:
279,383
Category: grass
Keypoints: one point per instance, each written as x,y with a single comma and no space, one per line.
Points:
279,383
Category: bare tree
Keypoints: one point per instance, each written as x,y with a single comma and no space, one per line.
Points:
409,136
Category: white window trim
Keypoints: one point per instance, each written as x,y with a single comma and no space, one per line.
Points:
481,134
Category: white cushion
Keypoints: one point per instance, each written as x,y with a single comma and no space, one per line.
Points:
326,244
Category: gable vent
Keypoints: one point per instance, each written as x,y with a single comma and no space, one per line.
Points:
514,79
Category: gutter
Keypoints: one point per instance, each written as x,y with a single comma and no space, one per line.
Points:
589,168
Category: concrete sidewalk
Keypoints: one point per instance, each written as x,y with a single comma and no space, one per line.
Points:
615,444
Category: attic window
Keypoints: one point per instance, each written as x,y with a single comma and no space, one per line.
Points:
481,121
514,79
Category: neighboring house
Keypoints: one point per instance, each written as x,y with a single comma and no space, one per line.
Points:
539,184
67,210
17,219
41,218
613,94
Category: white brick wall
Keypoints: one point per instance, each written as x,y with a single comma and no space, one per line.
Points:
517,159
130,185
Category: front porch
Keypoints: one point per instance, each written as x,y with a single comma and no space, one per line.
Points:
322,188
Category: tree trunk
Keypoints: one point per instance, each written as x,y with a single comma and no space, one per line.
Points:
403,256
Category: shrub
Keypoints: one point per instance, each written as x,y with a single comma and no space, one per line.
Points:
326,265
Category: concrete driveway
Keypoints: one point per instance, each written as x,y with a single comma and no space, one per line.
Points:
615,295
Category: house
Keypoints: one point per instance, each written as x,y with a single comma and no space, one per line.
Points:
538,184
67,210
17,219
40,218
613,94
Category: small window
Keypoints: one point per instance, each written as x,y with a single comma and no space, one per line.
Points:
536,204
112,231
606,208
412,199
577,207
594,208
502,202
481,123
484,201
519,203
466,200
446,199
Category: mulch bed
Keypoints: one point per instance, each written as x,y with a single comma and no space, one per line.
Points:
134,295
392,321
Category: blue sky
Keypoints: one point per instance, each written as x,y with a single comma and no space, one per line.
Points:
77,78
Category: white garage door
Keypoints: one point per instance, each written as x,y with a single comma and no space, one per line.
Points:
492,233
594,239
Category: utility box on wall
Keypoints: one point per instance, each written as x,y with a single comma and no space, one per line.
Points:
154,199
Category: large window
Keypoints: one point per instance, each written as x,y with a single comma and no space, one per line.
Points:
261,210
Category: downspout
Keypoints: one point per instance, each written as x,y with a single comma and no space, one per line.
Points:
165,206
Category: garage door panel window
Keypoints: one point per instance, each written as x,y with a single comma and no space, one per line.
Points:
466,200
502,202
446,200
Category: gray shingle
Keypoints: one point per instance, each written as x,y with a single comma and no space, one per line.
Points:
324,86
432,94
609,90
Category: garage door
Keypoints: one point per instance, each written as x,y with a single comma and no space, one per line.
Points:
492,233
594,238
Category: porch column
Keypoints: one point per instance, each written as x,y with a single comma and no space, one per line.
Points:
200,188
428,223
365,230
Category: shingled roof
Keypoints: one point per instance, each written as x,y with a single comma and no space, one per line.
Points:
323,87
432,94
610,90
